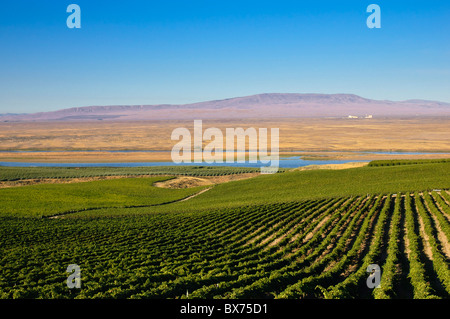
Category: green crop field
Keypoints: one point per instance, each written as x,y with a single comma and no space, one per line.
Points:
14,173
408,162
297,234
301,185
55,199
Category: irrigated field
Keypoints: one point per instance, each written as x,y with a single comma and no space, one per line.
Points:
300,245
318,248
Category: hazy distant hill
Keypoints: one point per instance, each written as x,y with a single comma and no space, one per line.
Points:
261,106
11,114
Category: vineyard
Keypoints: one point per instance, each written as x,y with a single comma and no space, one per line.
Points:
14,173
318,248
408,162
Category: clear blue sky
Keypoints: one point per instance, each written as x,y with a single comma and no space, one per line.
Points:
182,51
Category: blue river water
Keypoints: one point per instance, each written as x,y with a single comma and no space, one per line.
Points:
291,162
284,162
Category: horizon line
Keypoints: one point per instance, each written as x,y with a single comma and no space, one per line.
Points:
224,99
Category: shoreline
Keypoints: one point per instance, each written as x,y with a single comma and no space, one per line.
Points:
62,157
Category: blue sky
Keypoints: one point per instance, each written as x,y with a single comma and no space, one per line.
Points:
151,52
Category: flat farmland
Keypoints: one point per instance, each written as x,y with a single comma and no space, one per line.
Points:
316,136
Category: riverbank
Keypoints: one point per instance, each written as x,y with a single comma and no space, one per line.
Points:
165,156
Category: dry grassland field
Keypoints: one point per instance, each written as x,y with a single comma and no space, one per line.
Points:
315,136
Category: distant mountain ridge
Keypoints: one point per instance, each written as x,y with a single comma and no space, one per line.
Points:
267,105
